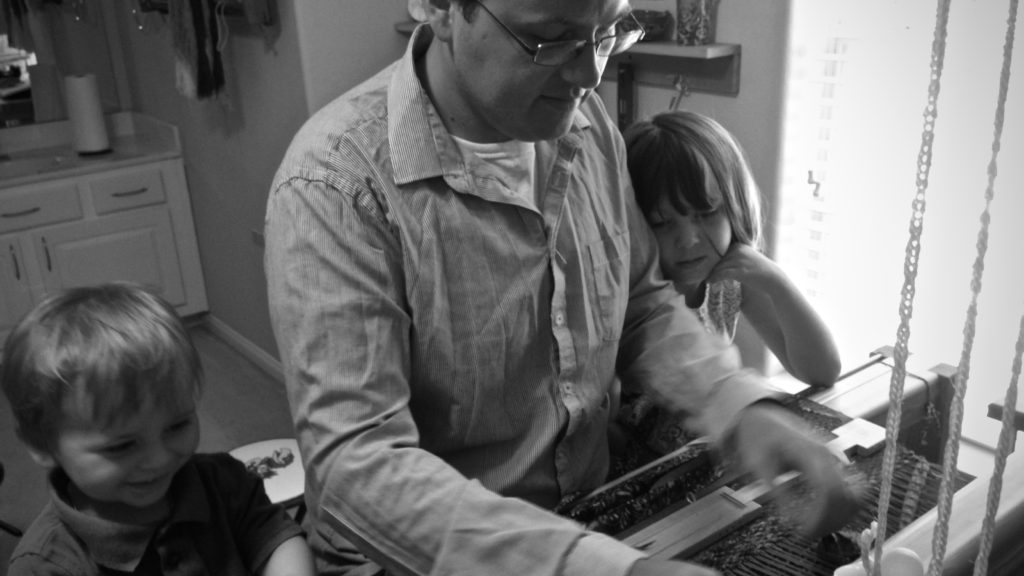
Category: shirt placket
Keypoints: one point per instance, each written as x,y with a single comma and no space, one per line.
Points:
559,224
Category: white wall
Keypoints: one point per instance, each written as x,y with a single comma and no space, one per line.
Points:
343,42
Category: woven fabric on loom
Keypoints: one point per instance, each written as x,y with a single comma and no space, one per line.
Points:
767,544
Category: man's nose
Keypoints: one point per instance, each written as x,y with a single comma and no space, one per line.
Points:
585,70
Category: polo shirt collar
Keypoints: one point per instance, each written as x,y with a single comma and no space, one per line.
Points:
121,546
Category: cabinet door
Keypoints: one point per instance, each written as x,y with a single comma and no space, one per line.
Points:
136,246
15,289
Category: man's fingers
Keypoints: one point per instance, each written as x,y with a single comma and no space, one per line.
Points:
833,500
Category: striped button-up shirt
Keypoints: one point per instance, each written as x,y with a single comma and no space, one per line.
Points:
451,353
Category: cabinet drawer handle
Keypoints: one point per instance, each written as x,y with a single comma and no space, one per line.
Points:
46,250
14,259
32,210
127,193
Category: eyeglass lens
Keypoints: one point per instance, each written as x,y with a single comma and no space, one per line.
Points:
556,53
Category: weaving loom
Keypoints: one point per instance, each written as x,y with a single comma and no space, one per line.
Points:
974,530
685,506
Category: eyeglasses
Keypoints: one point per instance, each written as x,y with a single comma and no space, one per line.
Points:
628,32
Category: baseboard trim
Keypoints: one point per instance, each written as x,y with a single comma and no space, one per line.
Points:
245,347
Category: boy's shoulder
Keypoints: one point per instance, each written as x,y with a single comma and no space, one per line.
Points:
216,463
49,547
218,472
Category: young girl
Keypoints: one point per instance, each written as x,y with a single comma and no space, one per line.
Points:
696,190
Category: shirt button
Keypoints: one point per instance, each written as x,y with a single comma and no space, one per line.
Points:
559,319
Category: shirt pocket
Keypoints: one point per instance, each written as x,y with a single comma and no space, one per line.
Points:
609,284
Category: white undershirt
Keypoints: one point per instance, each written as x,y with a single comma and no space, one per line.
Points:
512,164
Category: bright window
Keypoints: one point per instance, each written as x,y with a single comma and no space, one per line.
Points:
856,92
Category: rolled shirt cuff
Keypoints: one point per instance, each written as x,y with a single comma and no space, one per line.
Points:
599,555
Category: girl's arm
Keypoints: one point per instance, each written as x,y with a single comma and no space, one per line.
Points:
292,558
781,315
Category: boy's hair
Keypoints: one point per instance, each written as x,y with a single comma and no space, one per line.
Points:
676,154
99,353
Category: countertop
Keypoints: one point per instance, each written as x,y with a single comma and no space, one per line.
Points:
40,152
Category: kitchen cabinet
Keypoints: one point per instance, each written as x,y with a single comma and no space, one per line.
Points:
127,222
14,286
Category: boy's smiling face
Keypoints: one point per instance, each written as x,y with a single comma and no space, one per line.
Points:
122,470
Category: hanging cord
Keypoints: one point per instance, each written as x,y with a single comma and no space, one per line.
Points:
1010,403
913,249
995,486
963,372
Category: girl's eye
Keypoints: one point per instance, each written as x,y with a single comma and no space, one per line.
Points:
655,222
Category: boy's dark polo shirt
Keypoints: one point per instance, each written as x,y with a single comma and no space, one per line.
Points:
221,523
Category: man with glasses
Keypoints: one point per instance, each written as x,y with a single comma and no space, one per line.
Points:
458,277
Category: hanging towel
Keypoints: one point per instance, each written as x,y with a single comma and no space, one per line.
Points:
183,39
198,68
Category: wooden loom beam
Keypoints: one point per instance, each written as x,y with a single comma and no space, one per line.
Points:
968,511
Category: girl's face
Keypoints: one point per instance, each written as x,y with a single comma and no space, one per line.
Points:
123,470
690,246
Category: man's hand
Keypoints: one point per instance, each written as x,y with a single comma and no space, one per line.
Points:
770,441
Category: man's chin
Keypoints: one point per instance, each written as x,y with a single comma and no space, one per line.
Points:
554,121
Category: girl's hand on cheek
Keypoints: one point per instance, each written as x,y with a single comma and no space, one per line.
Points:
746,265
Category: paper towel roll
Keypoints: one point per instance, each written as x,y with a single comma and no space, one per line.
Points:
89,127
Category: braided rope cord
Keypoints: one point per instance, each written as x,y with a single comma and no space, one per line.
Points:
1007,432
960,380
906,307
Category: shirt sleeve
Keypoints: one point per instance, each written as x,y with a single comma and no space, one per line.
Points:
590,558
336,286
260,526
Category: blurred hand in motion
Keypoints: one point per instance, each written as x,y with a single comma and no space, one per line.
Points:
769,441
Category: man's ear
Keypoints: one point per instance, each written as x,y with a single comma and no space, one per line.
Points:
439,16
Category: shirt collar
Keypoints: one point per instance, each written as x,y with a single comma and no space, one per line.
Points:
414,124
121,546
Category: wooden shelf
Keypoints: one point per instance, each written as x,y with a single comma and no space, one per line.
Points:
711,68
673,50
13,58
406,28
